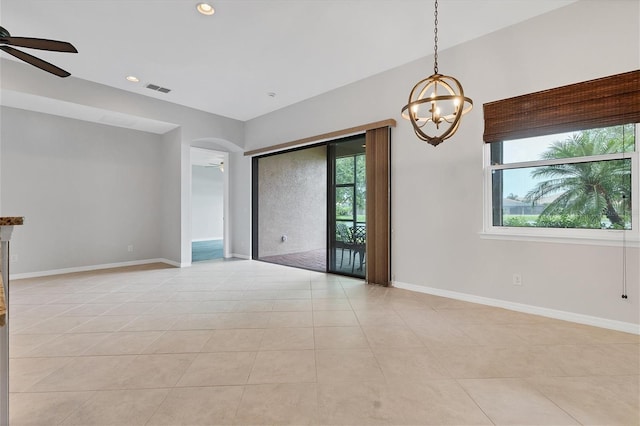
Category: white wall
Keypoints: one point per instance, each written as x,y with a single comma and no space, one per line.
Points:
207,198
191,127
87,191
437,193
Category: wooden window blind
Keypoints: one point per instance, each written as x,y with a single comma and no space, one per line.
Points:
602,102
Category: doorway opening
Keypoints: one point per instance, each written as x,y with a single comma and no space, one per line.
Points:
208,204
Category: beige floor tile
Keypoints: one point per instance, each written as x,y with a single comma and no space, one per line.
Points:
328,293
52,325
234,340
284,367
122,407
133,308
151,323
391,337
124,343
104,324
90,309
254,306
477,314
421,317
46,311
243,319
198,406
84,373
81,298
278,404
224,310
113,298
290,338
386,317
435,402
595,400
40,409
409,365
347,365
260,295
293,294
588,360
151,371
514,401
25,372
441,334
290,319
69,345
496,361
213,306
340,338
153,296
22,344
334,319
492,334
219,368
193,296
198,322
356,404
181,341
408,303
331,305
292,305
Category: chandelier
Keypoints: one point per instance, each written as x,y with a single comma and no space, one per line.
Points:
437,102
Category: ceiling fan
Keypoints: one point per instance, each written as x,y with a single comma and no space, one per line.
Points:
35,43
218,166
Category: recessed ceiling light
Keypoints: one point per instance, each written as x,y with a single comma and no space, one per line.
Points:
133,79
205,8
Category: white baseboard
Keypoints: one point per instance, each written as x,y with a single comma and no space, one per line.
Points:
241,256
93,268
529,309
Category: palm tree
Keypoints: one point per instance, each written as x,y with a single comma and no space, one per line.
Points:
587,189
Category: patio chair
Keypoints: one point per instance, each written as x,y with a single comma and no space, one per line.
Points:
344,241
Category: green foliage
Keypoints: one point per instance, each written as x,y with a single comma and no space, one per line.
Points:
351,171
564,221
516,221
588,191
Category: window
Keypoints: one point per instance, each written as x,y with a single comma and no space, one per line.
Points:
557,168
578,179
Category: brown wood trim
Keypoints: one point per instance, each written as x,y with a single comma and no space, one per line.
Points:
378,250
606,101
11,220
331,135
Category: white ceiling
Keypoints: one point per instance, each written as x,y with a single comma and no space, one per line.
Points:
227,63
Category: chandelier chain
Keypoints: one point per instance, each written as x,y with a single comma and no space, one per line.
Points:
435,39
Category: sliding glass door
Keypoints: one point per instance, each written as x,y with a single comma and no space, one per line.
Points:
347,198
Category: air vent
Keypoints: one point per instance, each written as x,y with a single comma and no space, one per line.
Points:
158,88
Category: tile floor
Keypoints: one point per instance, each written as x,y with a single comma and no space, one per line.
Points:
244,342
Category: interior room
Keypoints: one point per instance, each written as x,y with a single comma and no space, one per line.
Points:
481,300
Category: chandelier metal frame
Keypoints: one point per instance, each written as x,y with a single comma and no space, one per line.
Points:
436,100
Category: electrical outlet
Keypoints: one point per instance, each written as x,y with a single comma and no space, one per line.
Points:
517,279
130,248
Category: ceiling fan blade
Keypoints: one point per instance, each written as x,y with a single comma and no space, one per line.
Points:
36,62
39,43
